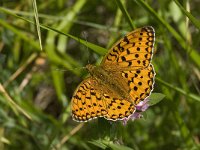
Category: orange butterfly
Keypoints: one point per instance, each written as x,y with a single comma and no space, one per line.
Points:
124,78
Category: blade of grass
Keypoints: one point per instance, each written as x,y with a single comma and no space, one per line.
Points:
98,49
189,15
125,13
67,22
66,138
37,22
12,103
190,95
58,80
116,24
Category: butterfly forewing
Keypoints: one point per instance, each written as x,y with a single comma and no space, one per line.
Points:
135,50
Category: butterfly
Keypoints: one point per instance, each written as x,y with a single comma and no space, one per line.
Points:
123,79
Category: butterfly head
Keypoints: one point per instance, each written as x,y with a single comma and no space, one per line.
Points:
97,72
90,68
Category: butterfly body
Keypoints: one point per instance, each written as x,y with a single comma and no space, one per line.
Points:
124,78
109,79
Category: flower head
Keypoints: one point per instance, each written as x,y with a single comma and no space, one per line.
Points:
140,107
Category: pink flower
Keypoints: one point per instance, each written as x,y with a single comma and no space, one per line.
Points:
140,107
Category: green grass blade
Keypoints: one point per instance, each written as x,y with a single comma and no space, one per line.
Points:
37,22
125,13
12,103
190,95
189,15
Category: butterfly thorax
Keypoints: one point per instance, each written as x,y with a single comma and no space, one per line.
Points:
106,78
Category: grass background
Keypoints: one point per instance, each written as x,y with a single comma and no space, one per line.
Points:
44,47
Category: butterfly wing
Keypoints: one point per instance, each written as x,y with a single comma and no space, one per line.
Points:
92,100
129,60
138,83
86,102
135,50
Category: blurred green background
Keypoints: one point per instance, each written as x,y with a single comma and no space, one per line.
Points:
41,66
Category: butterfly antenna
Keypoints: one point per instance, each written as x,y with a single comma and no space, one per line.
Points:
65,70
85,36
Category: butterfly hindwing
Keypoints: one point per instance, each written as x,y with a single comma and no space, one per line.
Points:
119,109
90,101
140,83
